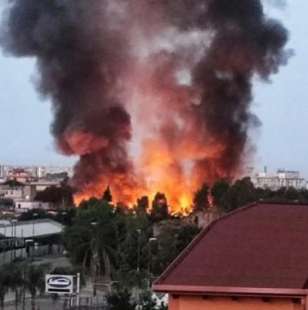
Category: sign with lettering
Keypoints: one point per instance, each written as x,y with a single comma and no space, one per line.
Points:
59,284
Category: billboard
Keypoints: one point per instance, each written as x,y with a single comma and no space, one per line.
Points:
59,284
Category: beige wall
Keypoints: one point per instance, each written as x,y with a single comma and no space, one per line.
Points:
217,303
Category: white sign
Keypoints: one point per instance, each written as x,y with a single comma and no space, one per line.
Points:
59,284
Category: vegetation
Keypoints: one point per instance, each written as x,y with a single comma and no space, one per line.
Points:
230,196
34,281
64,216
110,243
6,203
201,199
133,246
59,197
128,248
13,183
21,278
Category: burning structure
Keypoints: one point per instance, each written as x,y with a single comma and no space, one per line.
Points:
151,95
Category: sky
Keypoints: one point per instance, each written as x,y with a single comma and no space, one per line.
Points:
281,105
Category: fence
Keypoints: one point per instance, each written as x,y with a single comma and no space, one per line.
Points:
85,303
22,253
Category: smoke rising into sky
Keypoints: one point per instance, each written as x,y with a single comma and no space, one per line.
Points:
148,93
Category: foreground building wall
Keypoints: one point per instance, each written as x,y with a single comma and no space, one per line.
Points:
228,303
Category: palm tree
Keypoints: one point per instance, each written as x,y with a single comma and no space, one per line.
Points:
4,284
35,281
92,240
15,281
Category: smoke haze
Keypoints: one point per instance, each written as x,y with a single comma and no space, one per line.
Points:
151,95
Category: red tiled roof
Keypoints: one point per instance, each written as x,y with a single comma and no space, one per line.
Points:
259,246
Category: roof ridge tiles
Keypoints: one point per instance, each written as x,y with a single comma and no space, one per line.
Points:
252,242
196,240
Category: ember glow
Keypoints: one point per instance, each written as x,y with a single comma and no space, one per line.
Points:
151,95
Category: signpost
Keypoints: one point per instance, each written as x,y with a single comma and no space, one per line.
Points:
63,285
59,284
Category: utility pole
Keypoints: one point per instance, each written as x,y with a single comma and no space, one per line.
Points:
150,260
138,250
95,257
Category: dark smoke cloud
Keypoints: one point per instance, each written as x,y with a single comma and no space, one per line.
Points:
85,51
79,60
245,43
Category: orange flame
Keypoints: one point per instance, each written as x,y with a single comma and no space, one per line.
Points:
166,144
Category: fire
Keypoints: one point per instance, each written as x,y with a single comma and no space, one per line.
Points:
166,145
150,95
178,204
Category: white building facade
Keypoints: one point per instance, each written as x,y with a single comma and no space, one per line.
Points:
282,178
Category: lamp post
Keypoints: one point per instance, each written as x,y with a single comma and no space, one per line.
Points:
152,239
138,250
138,268
33,223
28,243
95,257
13,236
33,234
5,245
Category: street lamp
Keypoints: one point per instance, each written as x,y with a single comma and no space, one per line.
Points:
152,239
33,223
33,233
5,245
13,236
95,257
28,242
138,250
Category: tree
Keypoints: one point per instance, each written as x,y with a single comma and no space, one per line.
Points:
133,251
6,203
107,196
142,205
291,194
120,301
239,194
66,216
34,214
173,237
201,198
13,183
16,280
59,196
4,283
218,192
35,281
92,239
159,210
185,234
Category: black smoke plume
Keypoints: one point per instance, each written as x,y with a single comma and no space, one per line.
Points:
91,53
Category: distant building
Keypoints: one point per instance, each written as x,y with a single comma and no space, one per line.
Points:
42,184
20,175
58,170
17,191
282,178
26,173
254,258
2,172
22,206
29,239
31,229
203,218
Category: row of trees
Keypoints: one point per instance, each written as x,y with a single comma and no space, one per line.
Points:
223,194
127,248
124,246
22,278
228,196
